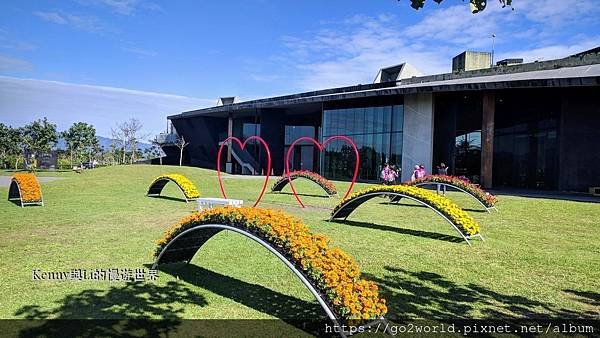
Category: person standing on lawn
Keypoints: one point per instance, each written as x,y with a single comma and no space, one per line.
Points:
421,172
388,175
415,174
442,170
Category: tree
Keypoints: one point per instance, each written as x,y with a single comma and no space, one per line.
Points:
476,5
4,142
40,136
97,150
10,144
156,150
118,143
81,140
128,134
181,143
134,128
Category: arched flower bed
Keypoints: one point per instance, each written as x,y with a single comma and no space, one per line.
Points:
26,188
324,183
462,222
330,274
486,199
186,186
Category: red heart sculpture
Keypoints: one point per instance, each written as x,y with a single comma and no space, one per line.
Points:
321,147
242,145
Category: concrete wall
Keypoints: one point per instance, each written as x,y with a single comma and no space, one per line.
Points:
471,61
417,138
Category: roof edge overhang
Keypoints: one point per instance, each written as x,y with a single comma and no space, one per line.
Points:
582,75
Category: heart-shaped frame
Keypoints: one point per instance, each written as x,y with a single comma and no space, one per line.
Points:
242,145
321,147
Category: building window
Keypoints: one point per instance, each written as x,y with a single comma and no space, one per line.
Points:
377,132
303,155
526,140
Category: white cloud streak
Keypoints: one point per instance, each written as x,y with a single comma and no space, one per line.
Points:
24,100
124,7
81,22
11,64
140,51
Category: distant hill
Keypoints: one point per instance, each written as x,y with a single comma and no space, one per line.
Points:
105,143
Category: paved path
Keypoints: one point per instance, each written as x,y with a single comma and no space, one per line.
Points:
554,195
5,180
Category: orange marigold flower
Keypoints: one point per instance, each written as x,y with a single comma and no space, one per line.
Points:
29,187
333,271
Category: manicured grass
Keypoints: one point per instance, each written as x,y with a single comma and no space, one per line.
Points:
540,257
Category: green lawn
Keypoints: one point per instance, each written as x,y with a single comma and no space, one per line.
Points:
541,257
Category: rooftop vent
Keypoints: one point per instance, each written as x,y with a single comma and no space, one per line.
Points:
468,60
227,100
396,73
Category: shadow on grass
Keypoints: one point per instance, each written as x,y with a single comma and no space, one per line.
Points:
551,195
169,198
422,206
417,233
299,194
429,295
110,308
15,202
290,309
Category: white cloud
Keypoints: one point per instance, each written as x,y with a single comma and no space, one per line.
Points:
354,52
6,42
24,100
51,17
124,7
11,64
456,25
350,51
17,45
82,22
140,51
560,12
551,52
264,77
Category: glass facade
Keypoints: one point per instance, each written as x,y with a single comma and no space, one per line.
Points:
467,147
303,155
467,156
250,129
526,142
377,132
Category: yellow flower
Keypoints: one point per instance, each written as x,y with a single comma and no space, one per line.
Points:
189,189
449,209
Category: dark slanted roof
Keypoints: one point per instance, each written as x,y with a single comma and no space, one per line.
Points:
583,70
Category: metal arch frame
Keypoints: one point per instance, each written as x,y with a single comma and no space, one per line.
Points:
465,237
168,179
23,204
457,188
285,181
321,147
265,244
228,142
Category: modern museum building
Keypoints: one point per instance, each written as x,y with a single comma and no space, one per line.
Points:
514,125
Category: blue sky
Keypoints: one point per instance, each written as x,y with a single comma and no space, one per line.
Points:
103,61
